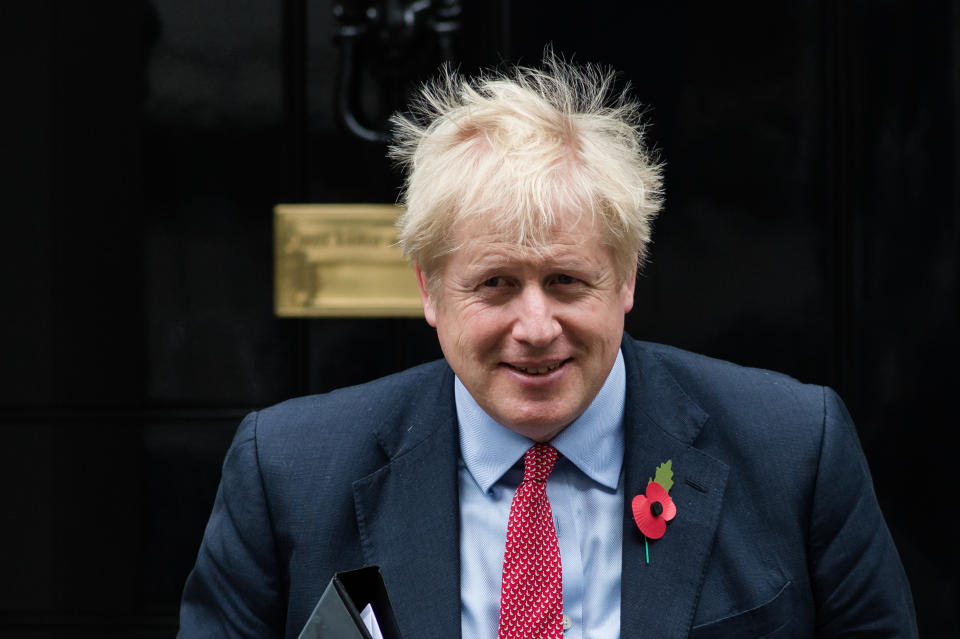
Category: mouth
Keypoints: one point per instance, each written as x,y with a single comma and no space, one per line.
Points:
541,369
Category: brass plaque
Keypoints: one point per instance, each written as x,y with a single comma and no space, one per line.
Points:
341,260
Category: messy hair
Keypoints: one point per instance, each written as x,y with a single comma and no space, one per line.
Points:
520,150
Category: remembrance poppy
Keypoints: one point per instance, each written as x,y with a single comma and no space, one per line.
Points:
653,510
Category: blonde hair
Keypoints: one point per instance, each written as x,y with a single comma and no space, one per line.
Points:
519,150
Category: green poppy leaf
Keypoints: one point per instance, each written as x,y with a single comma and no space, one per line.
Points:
664,475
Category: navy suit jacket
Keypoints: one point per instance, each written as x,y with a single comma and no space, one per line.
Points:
777,533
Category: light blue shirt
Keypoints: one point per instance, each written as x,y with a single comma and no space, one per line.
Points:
585,491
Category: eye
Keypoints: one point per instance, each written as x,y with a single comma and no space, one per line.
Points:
493,282
565,279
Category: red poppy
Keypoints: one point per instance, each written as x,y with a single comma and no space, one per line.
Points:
653,510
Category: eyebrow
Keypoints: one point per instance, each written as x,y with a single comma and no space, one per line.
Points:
493,262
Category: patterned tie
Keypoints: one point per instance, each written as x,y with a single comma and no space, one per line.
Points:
531,595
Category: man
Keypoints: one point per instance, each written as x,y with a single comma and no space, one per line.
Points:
552,476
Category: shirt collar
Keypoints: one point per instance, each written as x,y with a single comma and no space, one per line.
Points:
593,442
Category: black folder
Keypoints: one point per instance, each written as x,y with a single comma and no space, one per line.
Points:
337,614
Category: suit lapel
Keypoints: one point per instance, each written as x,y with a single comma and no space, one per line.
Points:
661,422
408,515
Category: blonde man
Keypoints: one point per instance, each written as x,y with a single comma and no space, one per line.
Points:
551,477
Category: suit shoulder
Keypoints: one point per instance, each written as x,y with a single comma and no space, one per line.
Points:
751,407
709,380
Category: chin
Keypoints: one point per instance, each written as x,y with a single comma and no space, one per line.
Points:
539,427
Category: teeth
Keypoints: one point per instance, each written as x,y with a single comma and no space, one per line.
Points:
539,371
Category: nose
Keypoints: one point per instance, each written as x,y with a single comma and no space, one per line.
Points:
535,322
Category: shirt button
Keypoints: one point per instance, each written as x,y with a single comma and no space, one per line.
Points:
566,622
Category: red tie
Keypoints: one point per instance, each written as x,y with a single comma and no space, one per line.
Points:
531,595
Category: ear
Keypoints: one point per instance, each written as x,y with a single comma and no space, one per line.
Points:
627,292
429,308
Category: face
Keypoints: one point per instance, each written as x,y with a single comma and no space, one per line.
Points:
532,336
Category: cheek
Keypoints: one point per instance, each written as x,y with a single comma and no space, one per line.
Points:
474,332
600,330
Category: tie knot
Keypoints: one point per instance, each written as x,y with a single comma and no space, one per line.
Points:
538,462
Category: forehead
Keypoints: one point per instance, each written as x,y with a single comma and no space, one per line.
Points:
571,239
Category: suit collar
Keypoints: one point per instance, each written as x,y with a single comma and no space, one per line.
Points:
425,407
656,394
662,422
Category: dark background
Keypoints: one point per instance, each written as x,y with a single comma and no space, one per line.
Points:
811,226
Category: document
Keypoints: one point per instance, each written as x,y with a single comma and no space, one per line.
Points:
370,621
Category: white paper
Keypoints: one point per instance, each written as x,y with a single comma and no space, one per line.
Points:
370,621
